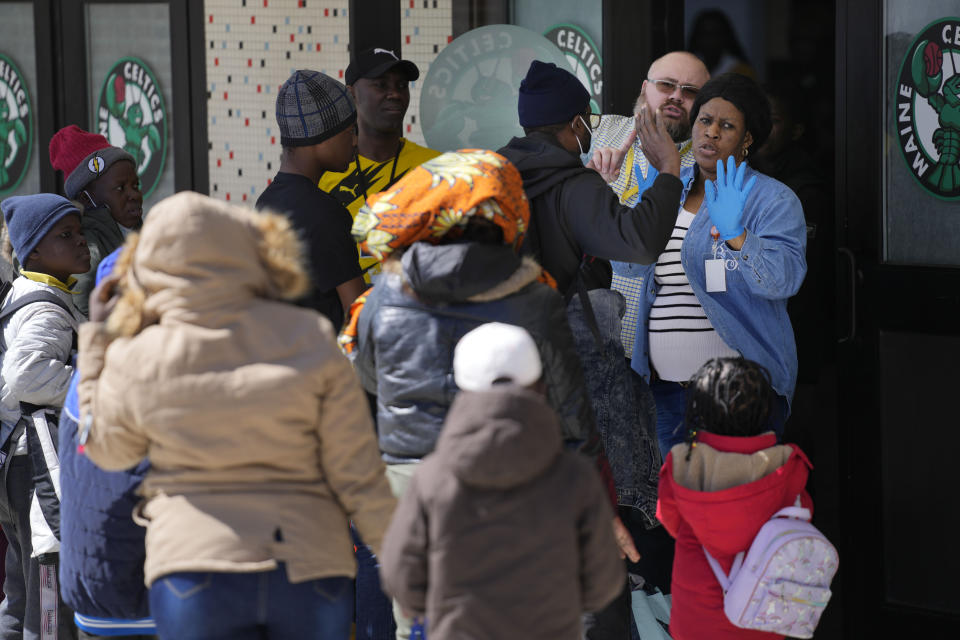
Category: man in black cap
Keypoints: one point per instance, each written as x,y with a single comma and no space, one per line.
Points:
573,213
318,123
379,81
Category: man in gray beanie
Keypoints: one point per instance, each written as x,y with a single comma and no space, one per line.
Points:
573,213
318,132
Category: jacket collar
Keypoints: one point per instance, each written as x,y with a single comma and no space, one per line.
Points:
737,444
47,279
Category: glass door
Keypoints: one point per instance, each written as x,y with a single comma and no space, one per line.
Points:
898,205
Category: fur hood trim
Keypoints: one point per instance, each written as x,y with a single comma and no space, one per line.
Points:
196,254
528,272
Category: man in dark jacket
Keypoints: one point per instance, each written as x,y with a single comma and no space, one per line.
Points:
573,211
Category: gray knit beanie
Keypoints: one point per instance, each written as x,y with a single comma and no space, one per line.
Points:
312,107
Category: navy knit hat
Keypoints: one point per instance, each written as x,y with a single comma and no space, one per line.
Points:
312,107
29,218
550,95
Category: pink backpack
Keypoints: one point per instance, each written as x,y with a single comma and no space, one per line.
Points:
783,584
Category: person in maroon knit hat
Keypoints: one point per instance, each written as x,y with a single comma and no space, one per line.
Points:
104,179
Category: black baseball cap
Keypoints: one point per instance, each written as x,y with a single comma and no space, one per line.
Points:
373,63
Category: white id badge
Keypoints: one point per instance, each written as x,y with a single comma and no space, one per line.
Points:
716,275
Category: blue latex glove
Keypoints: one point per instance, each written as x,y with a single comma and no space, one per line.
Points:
726,198
644,183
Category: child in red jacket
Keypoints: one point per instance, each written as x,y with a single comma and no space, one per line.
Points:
720,486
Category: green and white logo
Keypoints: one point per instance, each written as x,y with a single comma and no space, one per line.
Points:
469,97
16,126
584,58
928,108
131,114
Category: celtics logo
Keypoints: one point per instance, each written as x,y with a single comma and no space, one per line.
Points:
131,115
928,108
16,126
584,58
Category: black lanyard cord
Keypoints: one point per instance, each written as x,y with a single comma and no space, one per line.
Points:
393,169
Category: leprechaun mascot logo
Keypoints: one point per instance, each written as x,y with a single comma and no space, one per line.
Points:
16,126
131,114
928,108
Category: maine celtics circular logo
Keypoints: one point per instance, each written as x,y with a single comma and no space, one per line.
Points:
16,126
469,97
131,114
584,58
928,108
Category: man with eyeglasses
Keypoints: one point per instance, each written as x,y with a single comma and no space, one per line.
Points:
573,213
671,85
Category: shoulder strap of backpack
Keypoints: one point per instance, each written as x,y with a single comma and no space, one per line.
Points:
28,299
579,288
722,577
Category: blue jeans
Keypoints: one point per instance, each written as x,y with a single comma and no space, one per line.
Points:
241,606
374,609
671,399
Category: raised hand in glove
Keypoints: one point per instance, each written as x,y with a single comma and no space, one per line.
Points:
726,198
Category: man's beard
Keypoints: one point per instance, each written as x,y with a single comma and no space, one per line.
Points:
679,130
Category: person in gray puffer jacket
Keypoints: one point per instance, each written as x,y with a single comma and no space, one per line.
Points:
449,232
412,340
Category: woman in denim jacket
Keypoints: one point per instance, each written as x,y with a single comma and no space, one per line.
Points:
721,286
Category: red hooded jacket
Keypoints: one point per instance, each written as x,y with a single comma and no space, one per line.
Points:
719,499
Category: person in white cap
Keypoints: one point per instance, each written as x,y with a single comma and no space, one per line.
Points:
501,533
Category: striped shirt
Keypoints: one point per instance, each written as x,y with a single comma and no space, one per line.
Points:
680,334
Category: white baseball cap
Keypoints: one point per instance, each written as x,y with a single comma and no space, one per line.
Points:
496,352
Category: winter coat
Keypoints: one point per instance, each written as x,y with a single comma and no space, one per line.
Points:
256,428
622,403
574,212
101,559
502,534
719,499
415,316
38,340
103,236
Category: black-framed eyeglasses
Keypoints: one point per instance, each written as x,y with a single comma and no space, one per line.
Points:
593,120
669,86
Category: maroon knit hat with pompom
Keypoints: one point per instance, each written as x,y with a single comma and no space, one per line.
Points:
83,157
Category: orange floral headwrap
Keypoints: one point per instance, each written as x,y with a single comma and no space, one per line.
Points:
437,200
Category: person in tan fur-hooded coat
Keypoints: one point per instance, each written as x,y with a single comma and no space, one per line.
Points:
256,427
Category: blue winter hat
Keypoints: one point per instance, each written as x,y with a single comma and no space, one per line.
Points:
29,218
550,95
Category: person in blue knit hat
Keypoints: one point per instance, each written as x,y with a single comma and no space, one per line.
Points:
577,224
38,323
572,210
